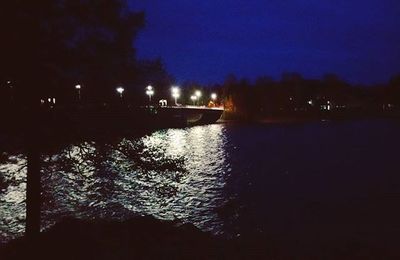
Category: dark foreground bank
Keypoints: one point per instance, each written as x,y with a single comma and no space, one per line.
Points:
139,238
149,238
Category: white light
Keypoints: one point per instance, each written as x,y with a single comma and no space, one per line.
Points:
8,82
310,102
149,92
213,96
120,90
175,93
78,86
198,93
193,98
175,90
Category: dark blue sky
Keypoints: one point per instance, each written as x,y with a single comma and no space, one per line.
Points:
204,40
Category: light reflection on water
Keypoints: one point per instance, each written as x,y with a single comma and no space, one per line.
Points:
170,174
12,199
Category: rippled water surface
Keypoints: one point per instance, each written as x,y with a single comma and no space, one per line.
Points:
170,174
305,183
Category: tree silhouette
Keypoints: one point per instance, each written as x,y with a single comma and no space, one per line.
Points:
50,45
53,44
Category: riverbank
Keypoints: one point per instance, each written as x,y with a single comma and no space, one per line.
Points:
229,117
138,238
149,238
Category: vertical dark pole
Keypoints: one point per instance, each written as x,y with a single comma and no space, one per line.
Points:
33,200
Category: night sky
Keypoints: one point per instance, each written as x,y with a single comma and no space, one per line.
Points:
205,40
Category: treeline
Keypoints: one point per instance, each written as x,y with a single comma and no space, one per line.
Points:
50,46
296,95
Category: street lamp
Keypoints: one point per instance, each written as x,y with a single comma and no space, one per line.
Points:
149,92
120,90
78,88
11,90
193,98
198,95
175,94
214,96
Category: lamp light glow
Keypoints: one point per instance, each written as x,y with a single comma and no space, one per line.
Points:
120,90
175,93
193,98
149,92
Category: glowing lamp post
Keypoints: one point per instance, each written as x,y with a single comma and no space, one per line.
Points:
149,92
11,90
198,95
120,91
175,94
193,98
78,88
213,99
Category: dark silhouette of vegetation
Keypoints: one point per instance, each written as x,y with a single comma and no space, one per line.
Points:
295,96
149,238
139,238
50,46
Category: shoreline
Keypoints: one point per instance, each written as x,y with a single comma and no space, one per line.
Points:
150,238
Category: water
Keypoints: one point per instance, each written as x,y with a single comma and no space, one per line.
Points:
171,174
305,185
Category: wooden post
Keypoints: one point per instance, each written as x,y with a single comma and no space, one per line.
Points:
33,198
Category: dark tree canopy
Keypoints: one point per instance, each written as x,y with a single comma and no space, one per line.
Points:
49,45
